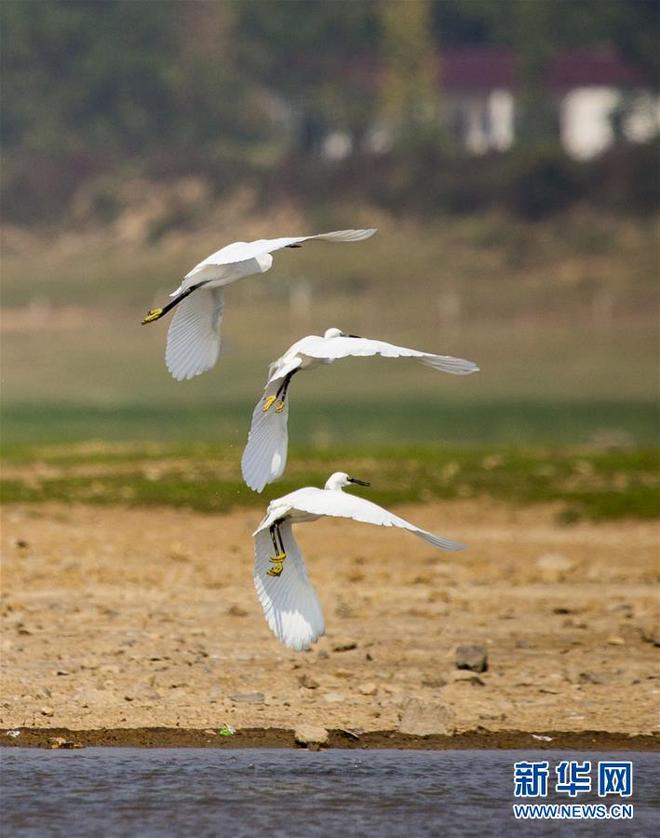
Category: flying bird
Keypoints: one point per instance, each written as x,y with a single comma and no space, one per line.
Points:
193,339
264,457
287,597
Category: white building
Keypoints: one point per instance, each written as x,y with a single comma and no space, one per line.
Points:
591,91
593,94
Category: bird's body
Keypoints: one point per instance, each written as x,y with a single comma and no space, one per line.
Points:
193,339
290,604
264,458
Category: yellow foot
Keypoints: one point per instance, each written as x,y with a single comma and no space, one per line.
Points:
278,565
268,403
151,315
279,407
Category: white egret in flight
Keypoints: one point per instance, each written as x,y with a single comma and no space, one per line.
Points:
193,339
287,597
264,458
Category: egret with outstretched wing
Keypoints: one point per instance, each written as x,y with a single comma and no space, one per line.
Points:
288,599
193,339
264,458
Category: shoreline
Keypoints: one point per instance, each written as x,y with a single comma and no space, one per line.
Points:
162,737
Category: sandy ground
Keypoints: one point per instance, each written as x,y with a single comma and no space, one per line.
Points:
131,618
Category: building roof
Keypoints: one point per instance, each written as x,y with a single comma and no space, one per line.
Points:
478,69
482,69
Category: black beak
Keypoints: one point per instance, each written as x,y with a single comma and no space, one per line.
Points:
359,337
358,482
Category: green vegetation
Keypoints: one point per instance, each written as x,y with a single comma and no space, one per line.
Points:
584,484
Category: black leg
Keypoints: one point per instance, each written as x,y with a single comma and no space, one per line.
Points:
277,560
273,539
284,386
279,535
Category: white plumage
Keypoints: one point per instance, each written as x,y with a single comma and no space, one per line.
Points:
289,601
264,457
287,597
193,339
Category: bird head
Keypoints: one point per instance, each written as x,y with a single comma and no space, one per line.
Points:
337,333
333,333
340,479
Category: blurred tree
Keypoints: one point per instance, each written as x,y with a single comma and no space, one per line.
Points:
410,92
635,34
314,59
88,85
79,76
477,22
532,33
234,89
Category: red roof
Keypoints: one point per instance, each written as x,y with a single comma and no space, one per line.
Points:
481,69
584,68
476,69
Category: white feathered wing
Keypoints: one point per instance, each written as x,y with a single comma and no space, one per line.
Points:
289,601
345,346
193,339
264,457
222,264
343,505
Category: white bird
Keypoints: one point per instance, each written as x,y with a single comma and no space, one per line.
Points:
264,458
193,339
287,597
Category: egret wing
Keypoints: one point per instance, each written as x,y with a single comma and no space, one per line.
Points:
193,339
243,251
289,601
225,264
264,457
343,347
343,235
342,505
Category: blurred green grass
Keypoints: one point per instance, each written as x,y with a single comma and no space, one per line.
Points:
329,425
584,484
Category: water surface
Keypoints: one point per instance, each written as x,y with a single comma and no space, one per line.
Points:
205,792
